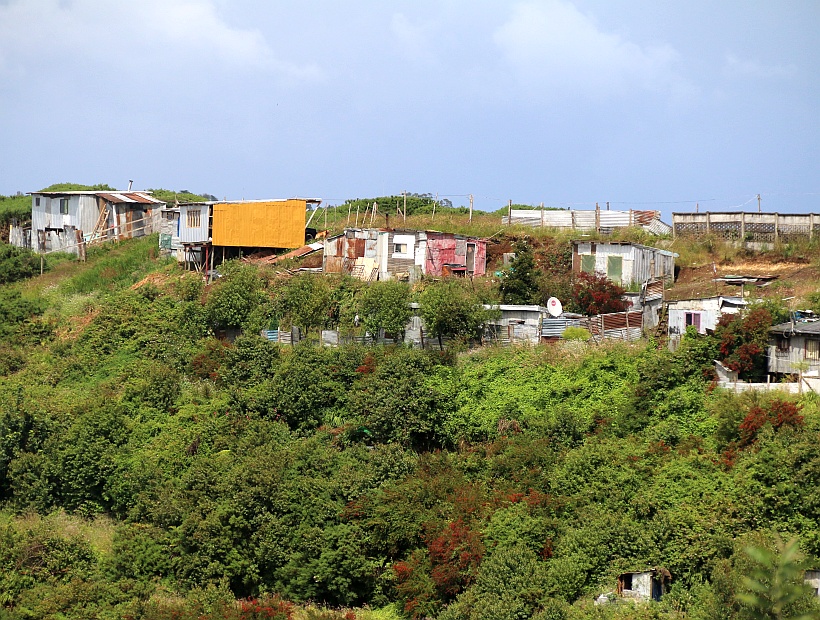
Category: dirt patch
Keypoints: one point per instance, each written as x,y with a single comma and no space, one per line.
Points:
793,279
157,279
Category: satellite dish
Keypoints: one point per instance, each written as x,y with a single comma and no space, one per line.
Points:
554,306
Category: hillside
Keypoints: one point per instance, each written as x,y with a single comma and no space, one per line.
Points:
151,470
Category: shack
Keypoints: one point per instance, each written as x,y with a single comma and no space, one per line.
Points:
258,224
383,253
65,220
515,323
624,263
701,313
794,347
647,585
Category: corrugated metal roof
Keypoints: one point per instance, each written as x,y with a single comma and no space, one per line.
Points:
798,327
143,197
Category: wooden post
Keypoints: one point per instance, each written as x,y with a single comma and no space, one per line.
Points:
542,215
776,227
626,334
471,208
78,235
597,218
742,227
509,212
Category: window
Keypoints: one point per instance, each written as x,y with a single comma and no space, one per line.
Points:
403,246
193,218
627,581
37,201
614,268
782,346
588,263
813,350
693,319
64,206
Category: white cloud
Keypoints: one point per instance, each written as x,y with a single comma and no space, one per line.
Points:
750,68
551,46
176,33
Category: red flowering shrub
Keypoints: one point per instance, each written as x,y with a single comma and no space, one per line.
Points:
743,340
779,413
594,293
455,555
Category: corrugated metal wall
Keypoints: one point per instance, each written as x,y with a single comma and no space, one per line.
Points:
263,224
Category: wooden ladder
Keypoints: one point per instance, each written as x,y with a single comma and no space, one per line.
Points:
99,227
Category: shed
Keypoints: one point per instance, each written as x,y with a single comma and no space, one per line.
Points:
622,262
384,253
701,313
794,347
644,585
259,223
516,323
59,220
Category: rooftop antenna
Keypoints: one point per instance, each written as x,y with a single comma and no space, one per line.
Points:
130,183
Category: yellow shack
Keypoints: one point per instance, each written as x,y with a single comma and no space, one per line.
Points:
260,223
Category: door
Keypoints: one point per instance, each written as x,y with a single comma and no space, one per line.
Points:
470,258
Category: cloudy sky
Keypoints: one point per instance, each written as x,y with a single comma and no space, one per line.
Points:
641,103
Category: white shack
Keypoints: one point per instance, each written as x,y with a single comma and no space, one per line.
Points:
702,313
62,220
622,262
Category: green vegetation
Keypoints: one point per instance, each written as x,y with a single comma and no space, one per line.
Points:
151,470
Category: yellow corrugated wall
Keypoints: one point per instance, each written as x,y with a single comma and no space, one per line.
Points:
268,224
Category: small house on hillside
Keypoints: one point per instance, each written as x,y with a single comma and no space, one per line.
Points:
794,347
192,231
648,301
703,314
649,585
255,224
624,263
62,220
378,253
515,323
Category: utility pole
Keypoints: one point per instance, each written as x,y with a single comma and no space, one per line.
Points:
471,209
509,212
542,215
758,203
404,215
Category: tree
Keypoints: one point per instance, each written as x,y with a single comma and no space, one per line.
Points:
305,301
450,309
743,341
776,583
594,293
385,305
235,295
519,283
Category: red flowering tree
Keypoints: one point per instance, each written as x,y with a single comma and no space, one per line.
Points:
743,341
779,413
594,293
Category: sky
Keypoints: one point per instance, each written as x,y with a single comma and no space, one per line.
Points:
645,104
